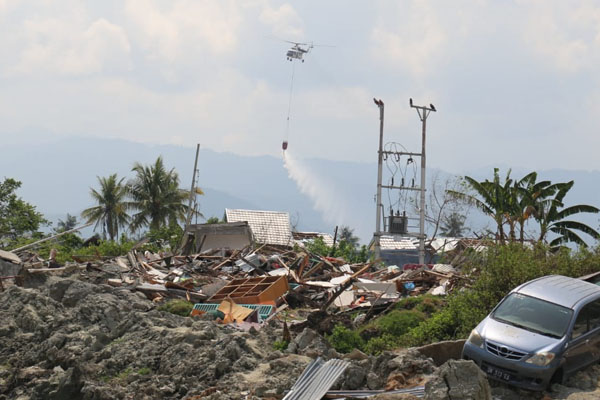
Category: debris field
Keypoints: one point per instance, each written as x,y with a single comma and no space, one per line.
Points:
107,328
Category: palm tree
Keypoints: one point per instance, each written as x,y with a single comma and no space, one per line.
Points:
347,235
453,225
156,196
69,223
111,211
551,219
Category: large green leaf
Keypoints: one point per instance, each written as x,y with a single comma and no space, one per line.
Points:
580,208
575,225
566,236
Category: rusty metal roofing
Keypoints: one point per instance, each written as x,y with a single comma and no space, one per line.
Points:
316,379
268,227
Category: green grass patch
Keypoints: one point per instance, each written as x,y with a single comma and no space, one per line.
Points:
280,345
178,307
144,371
387,331
124,374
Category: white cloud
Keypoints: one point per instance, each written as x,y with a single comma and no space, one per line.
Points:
169,31
565,34
227,85
52,45
410,38
284,21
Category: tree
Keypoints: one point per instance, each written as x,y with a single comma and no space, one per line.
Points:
69,223
514,202
347,235
17,217
552,219
156,196
491,197
453,225
111,211
442,207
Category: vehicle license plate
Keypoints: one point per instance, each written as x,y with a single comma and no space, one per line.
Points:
496,373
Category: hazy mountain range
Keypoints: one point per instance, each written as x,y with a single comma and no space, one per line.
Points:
57,177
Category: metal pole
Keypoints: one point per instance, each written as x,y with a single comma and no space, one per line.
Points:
422,203
34,244
423,114
377,234
192,189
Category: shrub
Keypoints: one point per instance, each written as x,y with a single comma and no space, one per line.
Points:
398,322
426,303
496,272
345,340
377,345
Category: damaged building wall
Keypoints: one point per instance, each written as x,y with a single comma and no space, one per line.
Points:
200,237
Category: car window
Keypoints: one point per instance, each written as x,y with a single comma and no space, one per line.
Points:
581,323
533,314
594,315
587,319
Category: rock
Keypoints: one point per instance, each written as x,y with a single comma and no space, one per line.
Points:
58,287
310,343
356,355
354,378
443,351
374,381
458,380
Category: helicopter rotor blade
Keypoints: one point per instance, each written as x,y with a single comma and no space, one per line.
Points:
296,43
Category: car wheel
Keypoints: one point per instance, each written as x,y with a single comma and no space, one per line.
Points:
557,377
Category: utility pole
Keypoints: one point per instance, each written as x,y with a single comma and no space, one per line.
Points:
188,219
423,112
377,234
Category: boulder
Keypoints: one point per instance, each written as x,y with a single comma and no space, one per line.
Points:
441,352
458,380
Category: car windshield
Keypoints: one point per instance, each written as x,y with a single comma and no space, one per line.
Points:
534,315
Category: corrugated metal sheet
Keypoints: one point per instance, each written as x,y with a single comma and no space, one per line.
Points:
418,391
303,237
270,227
391,243
316,379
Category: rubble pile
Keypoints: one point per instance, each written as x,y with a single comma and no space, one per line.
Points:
66,338
95,329
268,275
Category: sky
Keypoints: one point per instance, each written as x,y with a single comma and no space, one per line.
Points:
515,82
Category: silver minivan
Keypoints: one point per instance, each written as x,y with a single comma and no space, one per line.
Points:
541,332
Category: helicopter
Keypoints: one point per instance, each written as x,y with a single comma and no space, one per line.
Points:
297,52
